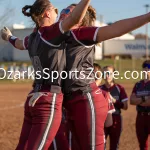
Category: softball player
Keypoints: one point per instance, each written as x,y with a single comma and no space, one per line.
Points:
120,102
83,99
61,140
46,49
141,98
70,138
111,109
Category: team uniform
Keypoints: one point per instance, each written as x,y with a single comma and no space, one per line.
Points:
143,115
114,132
43,107
61,141
111,109
87,108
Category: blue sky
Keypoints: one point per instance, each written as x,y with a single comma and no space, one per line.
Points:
112,10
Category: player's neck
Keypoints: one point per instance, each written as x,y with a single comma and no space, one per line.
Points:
98,82
46,22
147,80
109,84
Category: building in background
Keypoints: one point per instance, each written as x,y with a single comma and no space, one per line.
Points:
8,52
125,48
125,45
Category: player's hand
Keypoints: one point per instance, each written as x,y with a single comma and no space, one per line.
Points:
5,34
147,98
113,99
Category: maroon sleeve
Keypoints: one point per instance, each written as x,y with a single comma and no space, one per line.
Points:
52,35
26,39
85,35
123,94
25,42
123,97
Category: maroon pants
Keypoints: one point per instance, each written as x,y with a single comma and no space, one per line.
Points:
41,122
61,141
88,113
114,132
143,130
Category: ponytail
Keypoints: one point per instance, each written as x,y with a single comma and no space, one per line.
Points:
36,10
24,10
90,17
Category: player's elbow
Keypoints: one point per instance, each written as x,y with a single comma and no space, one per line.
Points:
132,101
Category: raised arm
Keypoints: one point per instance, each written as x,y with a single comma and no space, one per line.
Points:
76,16
7,36
19,44
122,27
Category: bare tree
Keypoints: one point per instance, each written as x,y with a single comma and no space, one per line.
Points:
5,17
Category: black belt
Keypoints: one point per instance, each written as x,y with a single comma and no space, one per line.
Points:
144,113
51,88
71,95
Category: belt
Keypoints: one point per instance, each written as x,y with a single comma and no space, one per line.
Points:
70,95
51,88
144,113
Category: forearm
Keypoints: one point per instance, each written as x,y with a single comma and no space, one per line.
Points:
125,107
16,42
80,11
128,25
147,101
122,27
135,101
19,44
76,16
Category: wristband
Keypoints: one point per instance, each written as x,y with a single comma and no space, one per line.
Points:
12,40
